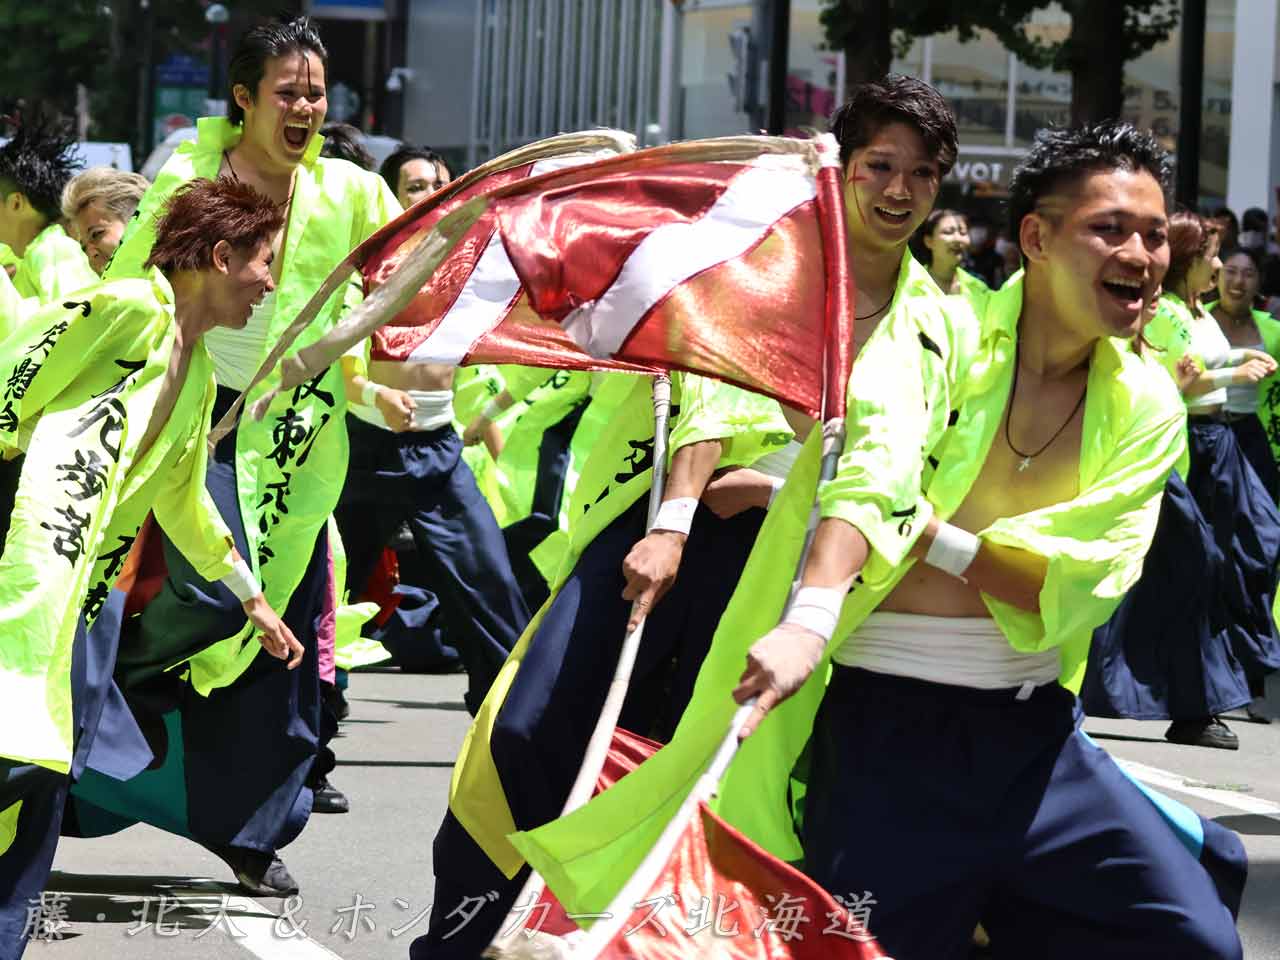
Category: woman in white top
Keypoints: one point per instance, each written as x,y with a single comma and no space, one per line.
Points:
1195,635
1248,328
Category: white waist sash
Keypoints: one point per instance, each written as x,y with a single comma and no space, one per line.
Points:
432,409
961,651
778,464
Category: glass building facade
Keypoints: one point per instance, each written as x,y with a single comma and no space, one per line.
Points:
999,101
486,75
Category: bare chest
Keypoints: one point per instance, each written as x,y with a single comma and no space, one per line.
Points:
1033,462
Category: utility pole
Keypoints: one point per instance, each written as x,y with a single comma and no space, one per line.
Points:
779,48
144,135
1191,83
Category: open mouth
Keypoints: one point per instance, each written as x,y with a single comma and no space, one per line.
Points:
896,217
296,134
1127,293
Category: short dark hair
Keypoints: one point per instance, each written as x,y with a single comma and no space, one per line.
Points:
390,170
342,142
1255,218
38,160
1061,155
897,99
1229,215
203,212
262,43
1254,255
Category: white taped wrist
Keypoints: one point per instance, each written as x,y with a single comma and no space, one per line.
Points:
1238,355
817,609
241,581
676,515
952,550
776,484
492,410
369,393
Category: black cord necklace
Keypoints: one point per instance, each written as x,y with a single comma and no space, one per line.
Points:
1028,457
884,307
236,177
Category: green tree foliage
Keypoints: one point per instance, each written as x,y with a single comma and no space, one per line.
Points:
1105,35
870,32
51,46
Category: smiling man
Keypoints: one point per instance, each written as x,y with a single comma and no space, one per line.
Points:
275,481
111,394
414,173
959,618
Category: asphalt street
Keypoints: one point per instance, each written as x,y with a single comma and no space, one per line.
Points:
366,875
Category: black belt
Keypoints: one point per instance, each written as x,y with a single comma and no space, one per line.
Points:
1221,416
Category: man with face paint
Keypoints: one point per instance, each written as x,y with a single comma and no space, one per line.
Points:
958,620
731,452
275,481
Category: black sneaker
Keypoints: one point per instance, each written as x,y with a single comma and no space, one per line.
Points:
1202,733
259,873
329,799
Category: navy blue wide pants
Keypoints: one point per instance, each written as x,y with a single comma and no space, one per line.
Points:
952,806
420,477
542,729
238,765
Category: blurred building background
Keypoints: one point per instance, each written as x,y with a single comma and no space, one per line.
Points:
479,76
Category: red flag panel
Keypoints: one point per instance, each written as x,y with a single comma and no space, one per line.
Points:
721,896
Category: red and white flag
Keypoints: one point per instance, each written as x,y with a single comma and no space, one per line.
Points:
725,258
716,896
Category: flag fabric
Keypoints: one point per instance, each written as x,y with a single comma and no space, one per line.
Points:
725,258
718,895
721,896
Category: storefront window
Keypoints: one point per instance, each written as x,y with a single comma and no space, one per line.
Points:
706,63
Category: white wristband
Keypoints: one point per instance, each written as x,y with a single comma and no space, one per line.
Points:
952,550
776,485
1218,377
369,393
817,609
241,581
492,410
676,515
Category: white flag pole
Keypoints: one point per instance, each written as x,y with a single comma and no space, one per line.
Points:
505,945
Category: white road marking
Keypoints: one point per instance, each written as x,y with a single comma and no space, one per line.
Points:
1166,780
253,931
260,936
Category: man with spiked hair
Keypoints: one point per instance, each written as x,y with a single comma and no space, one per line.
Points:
35,165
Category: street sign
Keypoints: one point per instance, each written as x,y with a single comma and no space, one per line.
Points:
177,107
182,70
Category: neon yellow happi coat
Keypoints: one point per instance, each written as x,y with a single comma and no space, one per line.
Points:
1169,332
1269,389
618,473
87,375
52,266
11,306
291,465
546,397
926,398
